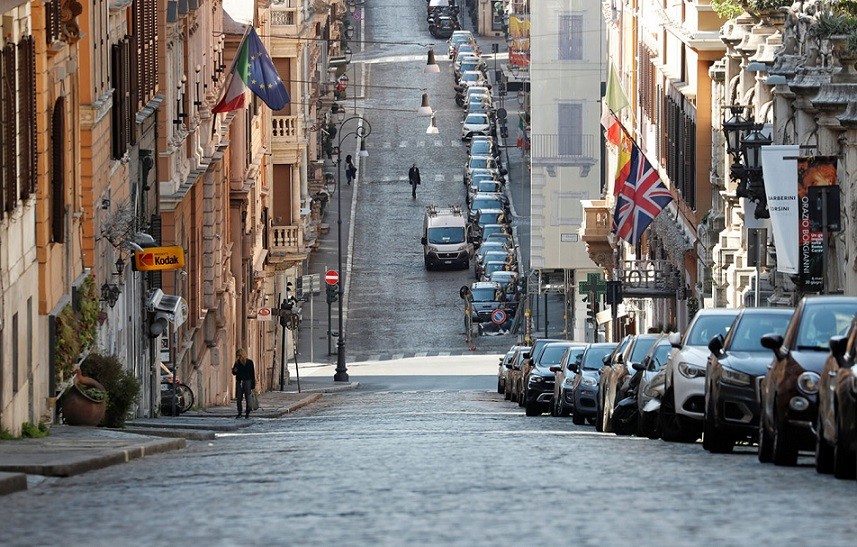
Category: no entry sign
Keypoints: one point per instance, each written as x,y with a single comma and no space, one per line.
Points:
331,277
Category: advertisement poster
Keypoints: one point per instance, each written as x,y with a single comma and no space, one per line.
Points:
812,171
780,177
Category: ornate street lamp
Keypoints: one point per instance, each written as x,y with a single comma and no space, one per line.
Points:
364,128
735,129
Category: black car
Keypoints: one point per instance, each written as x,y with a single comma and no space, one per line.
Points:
789,390
735,367
539,381
836,432
584,390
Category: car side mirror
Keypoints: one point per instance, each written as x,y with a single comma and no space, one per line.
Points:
574,367
773,342
605,360
509,366
555,368
638,366
424,241
716,345
838,345
675,339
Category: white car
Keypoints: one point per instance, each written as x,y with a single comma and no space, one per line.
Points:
461,59
458,37
472,78
683,402
475,91
475,124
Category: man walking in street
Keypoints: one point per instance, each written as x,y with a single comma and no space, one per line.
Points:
414,178
245,380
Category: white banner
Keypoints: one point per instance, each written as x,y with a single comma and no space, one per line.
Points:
781,189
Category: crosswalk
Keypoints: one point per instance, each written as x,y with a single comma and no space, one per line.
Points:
437,143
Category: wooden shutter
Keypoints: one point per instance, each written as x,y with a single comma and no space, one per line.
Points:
58,171
10,129
27,114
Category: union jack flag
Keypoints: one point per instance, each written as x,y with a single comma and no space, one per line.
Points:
640,197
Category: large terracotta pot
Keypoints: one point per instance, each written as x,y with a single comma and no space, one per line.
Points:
80,409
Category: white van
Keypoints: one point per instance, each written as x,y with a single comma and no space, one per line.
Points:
446,238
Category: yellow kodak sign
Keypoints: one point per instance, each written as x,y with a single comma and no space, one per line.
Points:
159,258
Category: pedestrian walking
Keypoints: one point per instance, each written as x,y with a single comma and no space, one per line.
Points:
414,179
245,380
350,170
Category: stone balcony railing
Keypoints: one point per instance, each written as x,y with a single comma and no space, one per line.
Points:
285,139
650,278
286,244
597,222
285,15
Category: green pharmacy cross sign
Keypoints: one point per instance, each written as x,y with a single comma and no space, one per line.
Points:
594,285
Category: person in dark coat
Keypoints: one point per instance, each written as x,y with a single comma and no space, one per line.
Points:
414,179
245,380
350,169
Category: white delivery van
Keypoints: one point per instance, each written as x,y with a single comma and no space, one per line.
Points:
446,238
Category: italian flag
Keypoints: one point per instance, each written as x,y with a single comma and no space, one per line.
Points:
233,99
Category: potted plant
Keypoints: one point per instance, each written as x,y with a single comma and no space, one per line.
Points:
122,387
84,402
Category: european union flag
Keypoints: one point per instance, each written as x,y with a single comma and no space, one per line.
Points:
262,77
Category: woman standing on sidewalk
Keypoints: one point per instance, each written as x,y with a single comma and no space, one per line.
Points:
245,380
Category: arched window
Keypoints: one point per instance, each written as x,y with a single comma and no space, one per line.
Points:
58,172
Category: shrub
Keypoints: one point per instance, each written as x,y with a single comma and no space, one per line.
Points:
122,387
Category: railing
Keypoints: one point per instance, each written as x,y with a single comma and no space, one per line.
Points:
284,127
285,240
563,148
654,278
597,220
284,13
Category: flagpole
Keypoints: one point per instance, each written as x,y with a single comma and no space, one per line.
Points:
231,70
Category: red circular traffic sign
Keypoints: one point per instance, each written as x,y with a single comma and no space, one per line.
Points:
331,277
264,312
498,317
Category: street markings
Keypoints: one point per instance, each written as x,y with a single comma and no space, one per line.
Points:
438,143
456,144
439,178
387,145
421,144
403,144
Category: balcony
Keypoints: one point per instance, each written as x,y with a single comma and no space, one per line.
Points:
553,151
285,26
285,141
286,245
597,222
650,279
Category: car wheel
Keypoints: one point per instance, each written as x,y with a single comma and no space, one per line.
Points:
784,449
766,443
715,441
646,425
577,419
670,426
561,411
520,397
500,386
507,390
553,409
599,415
532,409
823,452
843,460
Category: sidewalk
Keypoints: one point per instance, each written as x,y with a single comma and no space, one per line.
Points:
72,450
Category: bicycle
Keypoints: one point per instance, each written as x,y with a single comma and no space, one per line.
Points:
184,394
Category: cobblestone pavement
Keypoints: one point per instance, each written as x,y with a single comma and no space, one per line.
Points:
421,466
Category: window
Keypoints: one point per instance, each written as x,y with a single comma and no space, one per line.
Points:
679,138
9,131
27,115
58,172
145,32
123,115
570,129
570,37
16,362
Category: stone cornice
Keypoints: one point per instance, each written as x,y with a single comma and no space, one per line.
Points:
92,114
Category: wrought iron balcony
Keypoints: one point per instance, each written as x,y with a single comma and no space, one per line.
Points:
564,150
650,278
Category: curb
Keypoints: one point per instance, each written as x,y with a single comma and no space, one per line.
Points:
188,434
12,482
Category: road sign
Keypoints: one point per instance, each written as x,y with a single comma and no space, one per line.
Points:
331,277
159,258
312,283
264,314
498,317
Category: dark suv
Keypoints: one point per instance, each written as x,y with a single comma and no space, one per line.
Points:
539,383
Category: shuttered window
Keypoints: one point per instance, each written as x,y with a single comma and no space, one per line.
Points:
27,115
570,37
58,171
680,145
122,115
53,16
9,131
145,68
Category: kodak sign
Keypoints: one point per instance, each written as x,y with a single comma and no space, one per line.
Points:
159,258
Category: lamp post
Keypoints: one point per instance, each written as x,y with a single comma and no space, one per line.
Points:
362,131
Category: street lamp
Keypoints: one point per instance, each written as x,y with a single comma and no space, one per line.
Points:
431,64
363,129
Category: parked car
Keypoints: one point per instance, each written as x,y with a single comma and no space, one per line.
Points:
539,379
467,64
481,202
483,145
836,432
486,297
513,376
509,279
624,419
683,402
475,91
466,47
496,232
615,356
735,366
646,387
614,380
472,78
581,397
502,371
564,374
789,390
458,37
501,256
475,124
479,163
537,348
443,26
483,185
491,216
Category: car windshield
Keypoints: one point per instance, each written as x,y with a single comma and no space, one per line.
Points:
575,354
662,353
481,148
470,76
641,348
446,235
480,163
494,266
490,217
707,327
552,355
751,328
486,203
488,186
476,119
594,356
483,294
495,230
503,277
819,323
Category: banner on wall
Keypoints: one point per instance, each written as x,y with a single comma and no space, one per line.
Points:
812,172
780,178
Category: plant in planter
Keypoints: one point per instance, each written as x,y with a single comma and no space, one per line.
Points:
122,388
84,402
76,329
